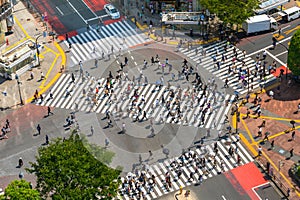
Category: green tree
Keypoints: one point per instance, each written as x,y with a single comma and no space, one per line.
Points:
231,12
293,61
20,190
66,169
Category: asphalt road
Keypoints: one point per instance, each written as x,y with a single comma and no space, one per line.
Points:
257,43
220,188
71,15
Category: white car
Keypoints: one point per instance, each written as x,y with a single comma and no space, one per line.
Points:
112,11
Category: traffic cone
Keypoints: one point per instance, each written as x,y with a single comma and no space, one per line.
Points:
7,43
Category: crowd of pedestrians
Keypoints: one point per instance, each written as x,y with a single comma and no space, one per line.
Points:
200,163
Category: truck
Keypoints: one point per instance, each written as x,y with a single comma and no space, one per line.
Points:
259,23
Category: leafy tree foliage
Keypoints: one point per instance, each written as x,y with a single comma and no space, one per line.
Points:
20,190
293,61
229,11
66,169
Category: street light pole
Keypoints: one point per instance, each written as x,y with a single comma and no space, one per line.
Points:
18,83
37,49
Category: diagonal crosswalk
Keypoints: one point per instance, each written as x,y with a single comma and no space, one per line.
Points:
191,167
92,43
82,95
208,57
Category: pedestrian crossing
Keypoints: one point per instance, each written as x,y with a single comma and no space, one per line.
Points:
208,57
108,39
207,111
192,167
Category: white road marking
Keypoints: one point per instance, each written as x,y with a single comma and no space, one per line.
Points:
282,63
59,10
282,29
132,57
281,53
267,47
98,17
89,8
135,63
76,11
223,197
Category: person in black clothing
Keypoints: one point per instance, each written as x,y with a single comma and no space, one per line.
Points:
49,111
38,128
47,139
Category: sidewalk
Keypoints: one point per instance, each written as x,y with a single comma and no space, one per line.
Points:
160,33
28,27
277,113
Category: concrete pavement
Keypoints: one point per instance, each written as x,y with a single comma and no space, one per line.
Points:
277,113
28,27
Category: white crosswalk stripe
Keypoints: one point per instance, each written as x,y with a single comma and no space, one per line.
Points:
204,57
120,35
84,98
184,170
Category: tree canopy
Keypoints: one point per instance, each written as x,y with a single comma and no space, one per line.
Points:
20,190
66,169
293,61
231,12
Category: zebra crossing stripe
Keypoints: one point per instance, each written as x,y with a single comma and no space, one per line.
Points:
123,34
62,77
77,40
62,87
187,170
86,102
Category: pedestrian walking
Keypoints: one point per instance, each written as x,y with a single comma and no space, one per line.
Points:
293,135
96,62
259,150
291,152
266,136
47,140
263,124
49,111
109,123
123,127
38,128
272,144
7,123
150,153
226,83
92,130
42,76
31,76
20,162
144,115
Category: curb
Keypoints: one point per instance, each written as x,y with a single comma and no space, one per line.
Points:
63,63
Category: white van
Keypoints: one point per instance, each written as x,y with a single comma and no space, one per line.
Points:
290,14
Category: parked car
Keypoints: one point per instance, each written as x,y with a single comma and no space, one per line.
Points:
112,11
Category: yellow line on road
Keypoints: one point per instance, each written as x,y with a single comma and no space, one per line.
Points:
279,118
249,146
49,71
291,30
276,135
282,175
254,152
21,27
51,50
248,131
63,62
